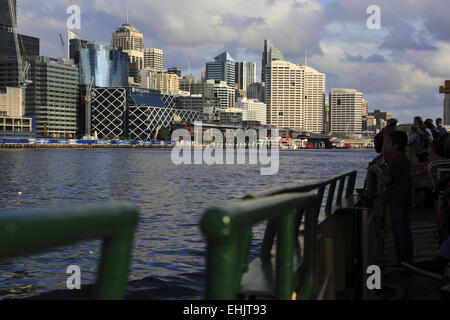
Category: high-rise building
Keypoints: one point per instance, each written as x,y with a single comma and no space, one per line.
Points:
295,96
225,93
222,69
346,107
254,110
175,70
28,45
148,79
53,96
190,84
365,108
207,107
131,41
5,17
12,122
270,54
445,89
245,74
154,59
255,91
105,65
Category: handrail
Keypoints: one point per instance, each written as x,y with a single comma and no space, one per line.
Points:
30,231
228,231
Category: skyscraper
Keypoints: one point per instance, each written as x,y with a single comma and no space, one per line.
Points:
131,41
346,108
154,59
295,96
100,62
28,45
222,69
270,54
245,74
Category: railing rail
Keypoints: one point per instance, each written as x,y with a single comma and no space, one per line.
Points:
228,230
322,271
34,230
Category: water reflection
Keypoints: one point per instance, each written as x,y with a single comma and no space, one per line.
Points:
169,249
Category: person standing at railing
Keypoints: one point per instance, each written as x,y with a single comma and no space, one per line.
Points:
397,180
419,138
391,126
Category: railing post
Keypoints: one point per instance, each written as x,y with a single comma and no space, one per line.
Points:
340,190
330,197
351,185
114,265
285,256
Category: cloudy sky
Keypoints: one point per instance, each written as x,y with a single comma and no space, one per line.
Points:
399,67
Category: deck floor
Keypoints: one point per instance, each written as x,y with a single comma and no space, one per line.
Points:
400,284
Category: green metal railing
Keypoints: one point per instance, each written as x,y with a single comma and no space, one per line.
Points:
34,230
228,232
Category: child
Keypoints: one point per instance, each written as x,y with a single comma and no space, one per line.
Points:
397,178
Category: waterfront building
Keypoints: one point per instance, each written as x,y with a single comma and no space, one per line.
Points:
225,93
100,63
295,96
208,108
28,45
255,91
445,89
270,54
245,74
12,121
381,118
154,59
346,107
52,97
222,69
254,110
232,117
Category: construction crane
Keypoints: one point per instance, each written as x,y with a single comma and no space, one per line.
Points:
63,45
23,66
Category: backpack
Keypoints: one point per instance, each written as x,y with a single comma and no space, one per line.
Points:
378,141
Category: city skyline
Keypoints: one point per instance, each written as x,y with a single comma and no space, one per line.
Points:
398,68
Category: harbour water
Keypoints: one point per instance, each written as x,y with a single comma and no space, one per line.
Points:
169,253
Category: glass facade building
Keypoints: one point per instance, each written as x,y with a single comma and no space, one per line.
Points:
222,69
107,66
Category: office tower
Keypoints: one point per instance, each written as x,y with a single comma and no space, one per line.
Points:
295,96
445,89
12,122
346,107
365,108
53,96
175,70
222,69
154,59
270,54
225,93
207,107
255,91
190,84
254,110
28,45
131,41
167,83
101,63
148,79
245,74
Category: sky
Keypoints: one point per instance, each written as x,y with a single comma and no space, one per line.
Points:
398,67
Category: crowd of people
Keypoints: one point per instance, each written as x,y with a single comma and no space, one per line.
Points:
411,163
